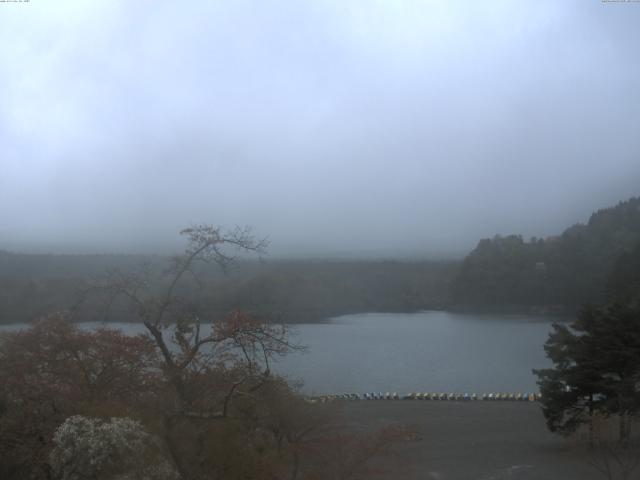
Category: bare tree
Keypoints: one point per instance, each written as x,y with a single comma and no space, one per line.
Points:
615,460
614,457
206,367
222,410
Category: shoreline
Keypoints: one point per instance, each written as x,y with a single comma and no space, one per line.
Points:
326,316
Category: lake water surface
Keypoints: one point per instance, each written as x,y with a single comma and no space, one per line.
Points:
427,351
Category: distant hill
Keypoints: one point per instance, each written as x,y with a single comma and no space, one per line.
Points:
556,273
289,290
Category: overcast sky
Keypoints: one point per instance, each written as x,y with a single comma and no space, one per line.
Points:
333,126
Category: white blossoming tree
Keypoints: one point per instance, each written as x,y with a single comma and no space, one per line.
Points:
114,449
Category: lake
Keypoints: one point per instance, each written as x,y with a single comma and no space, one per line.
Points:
430,351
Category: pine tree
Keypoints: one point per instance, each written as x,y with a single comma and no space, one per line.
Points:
596,368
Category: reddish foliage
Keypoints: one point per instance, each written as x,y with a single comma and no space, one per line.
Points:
57,360
54,370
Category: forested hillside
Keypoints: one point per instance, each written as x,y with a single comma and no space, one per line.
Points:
556,273
289,290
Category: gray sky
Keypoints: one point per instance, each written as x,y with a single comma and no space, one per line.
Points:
364,126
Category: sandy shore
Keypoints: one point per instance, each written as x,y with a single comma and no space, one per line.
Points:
473,441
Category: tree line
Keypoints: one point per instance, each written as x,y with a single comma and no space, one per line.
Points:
293,291
564,271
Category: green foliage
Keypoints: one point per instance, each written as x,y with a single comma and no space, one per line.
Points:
568,270
596,367
624,282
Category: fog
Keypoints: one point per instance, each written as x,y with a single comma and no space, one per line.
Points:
365,128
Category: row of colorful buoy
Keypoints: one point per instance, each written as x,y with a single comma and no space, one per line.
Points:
518,397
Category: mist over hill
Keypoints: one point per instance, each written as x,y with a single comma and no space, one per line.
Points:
556,274
286,290
562,271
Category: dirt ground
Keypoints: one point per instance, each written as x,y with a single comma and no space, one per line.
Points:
473,441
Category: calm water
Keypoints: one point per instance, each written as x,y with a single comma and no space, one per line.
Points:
428,351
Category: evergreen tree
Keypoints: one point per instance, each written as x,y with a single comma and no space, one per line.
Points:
596,368
623,284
